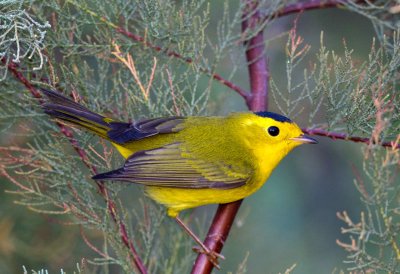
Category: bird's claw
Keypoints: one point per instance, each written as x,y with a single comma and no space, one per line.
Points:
212,256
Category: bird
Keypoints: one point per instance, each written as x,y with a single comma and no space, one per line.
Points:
187,162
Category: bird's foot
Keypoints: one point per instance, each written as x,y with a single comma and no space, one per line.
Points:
212,256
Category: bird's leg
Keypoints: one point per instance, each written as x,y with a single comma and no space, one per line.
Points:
212,255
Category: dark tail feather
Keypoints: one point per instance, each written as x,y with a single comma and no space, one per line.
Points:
65,109
111,175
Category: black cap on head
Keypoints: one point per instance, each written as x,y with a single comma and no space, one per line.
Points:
272,115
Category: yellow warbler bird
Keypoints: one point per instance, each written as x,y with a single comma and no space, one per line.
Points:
186,162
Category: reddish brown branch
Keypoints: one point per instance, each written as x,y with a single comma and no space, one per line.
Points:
311,5
343,136
217,77
259,77
217,235
257,62
13,68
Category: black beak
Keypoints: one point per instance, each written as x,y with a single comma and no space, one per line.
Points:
304,139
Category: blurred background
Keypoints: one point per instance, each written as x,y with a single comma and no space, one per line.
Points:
291,220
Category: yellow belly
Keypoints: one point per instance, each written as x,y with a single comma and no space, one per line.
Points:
177,199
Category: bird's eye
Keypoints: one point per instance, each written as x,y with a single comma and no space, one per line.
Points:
273,131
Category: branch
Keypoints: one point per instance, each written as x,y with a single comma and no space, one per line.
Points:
170,53
311,5
259,77
19,76
343,136
256,60
112,208
217,235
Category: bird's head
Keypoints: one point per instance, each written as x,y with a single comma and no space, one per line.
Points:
280,129
273,133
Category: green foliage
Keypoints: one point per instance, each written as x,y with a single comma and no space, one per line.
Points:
22,36
374,239
155,58
340,90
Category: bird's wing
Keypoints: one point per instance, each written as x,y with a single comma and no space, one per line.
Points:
169,167
122,133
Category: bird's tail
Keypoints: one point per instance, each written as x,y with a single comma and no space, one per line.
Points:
67,110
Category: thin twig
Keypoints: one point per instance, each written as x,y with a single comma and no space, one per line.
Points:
15,182
171,53
177,110
91,246
130,64
343,136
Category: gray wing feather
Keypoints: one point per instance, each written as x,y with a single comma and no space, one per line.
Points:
165,167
